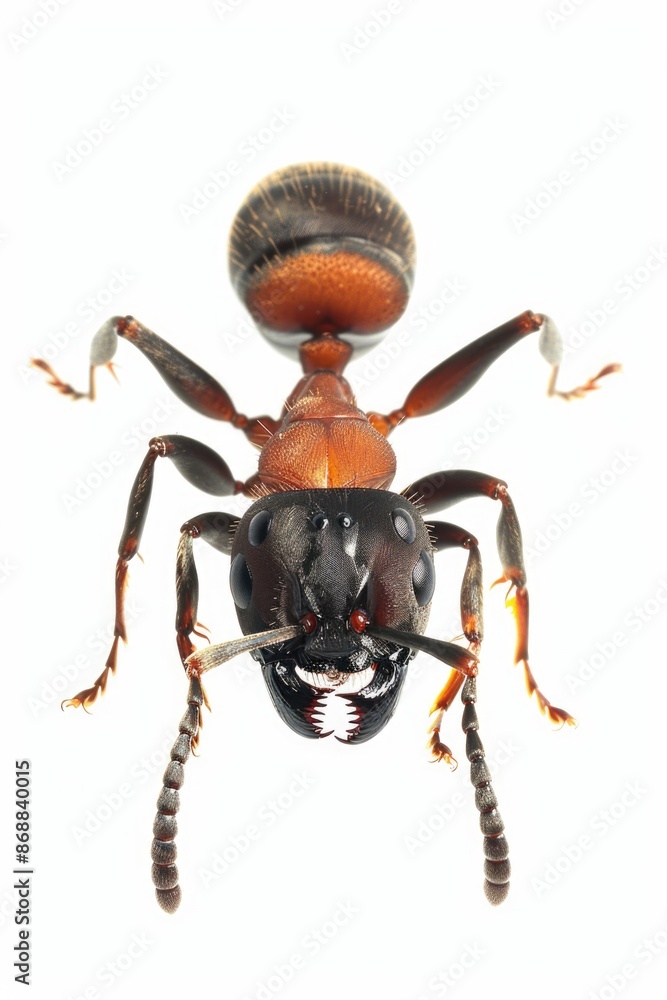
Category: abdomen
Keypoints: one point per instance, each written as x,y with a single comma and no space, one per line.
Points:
319,248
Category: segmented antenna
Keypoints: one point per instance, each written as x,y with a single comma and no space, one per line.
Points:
497,865
163,851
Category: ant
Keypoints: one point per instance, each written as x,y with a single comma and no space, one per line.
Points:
332,574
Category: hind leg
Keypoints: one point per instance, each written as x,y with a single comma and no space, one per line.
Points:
452,378
192,384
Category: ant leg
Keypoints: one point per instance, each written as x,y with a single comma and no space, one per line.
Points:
442,489
186,379
218,530
444,536
203,468
453,377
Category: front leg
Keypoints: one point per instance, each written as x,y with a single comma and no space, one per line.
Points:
217,529
445,536
453,377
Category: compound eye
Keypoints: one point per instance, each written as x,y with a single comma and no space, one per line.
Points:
309,622
345,520
240,581
423,579
258,528
404,526
320,521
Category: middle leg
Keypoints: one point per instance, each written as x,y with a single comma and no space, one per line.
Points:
443,489
203,468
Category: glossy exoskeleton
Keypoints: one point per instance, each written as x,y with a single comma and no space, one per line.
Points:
332,574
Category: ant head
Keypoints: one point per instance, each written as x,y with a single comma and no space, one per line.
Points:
341,564
333,561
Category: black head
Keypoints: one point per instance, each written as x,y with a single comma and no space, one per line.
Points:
338,563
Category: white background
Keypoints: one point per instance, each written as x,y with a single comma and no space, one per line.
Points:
366,97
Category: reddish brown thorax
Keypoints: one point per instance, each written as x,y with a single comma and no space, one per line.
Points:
325,442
